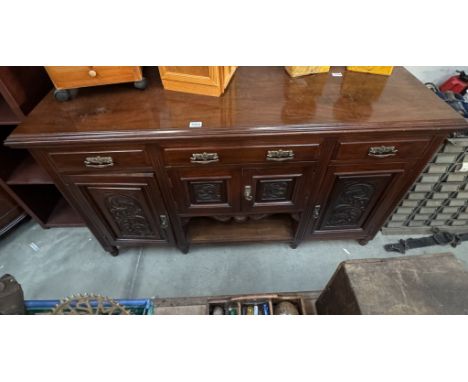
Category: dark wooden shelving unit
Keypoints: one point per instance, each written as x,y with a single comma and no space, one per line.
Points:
11,211
24,184
25,181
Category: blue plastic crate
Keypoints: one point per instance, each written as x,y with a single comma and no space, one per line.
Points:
137,307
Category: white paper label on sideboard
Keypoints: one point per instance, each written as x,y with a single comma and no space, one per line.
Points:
193,124
337,74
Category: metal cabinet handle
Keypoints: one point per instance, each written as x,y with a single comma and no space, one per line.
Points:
204,158
248,193
382,151
164,221
92,73
99,162
280,155
316,213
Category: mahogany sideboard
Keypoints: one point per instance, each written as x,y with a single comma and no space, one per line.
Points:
274,158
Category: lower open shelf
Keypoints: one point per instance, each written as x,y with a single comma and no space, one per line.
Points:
63,215
270,228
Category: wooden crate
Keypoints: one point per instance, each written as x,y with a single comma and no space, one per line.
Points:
297,71
242,303
202,305
383,70
425,284
205,80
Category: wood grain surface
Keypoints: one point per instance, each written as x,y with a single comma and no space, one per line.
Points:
259,99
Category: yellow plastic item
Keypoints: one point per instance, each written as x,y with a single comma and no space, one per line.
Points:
384,70
296,71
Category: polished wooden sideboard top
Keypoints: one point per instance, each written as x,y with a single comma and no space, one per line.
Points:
259,100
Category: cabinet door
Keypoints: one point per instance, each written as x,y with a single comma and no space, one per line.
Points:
125,208
356,198
276,189
204,191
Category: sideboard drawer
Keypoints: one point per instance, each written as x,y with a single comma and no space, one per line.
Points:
382,150
100,159
200,156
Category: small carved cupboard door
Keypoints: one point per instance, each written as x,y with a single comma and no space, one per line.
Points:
283,188
204,191
355,198
125,208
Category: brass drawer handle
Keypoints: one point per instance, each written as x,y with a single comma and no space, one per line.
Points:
248,193
382,151
280,155
204,158
99,162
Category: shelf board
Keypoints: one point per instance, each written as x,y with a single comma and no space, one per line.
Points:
64,216
29,172
7,116
272,228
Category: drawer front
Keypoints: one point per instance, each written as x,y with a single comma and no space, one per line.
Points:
100,160
202,156
382,150
65,77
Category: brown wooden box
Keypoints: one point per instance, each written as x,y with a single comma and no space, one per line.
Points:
239,302
70,77
426,284
205,80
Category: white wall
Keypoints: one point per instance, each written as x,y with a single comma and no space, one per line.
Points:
435,74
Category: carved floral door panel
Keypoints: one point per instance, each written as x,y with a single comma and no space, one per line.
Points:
353,197
276,189
126,207
203,191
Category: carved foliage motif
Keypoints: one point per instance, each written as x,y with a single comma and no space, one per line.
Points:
128,215
274,190
204,192
350,204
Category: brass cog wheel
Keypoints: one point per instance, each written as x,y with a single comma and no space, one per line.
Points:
89,304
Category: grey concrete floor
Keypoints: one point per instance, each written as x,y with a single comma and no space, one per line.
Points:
59,262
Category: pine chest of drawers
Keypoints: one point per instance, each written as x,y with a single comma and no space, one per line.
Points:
274,158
